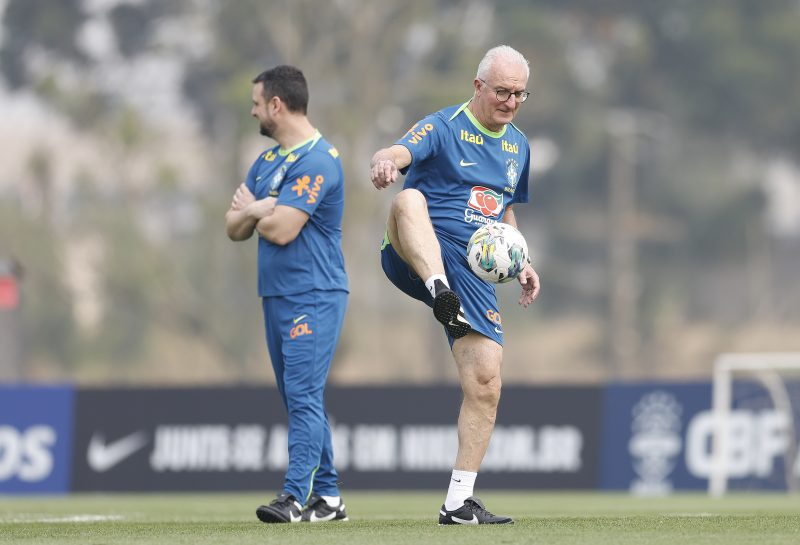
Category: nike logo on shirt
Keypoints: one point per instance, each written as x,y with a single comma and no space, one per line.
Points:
465,164
299,318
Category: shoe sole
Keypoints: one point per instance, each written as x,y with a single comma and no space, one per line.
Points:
452,523
265,514
445,308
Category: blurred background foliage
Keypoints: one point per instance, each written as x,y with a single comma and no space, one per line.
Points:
665,212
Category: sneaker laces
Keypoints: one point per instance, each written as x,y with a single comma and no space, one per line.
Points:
477,506
315,500
283,500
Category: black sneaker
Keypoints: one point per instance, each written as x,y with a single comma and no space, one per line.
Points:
284,508
447,309
472,512
318,510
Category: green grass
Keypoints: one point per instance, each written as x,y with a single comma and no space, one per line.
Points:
404,518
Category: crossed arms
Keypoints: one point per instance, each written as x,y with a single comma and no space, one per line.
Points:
277,223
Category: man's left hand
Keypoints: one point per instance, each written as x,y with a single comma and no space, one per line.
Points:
529,281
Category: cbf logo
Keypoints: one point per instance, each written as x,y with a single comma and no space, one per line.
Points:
655,442
276,181
512,173
486,201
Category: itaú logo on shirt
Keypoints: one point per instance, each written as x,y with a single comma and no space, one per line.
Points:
486,201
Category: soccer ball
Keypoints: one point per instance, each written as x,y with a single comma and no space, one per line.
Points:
497,253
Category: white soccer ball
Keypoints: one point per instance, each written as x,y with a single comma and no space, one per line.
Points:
497,253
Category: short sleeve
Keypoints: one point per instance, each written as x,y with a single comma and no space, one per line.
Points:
424,140
521,192
308,181
250,181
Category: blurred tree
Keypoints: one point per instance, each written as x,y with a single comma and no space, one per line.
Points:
132,27
38,25
48,327
706,82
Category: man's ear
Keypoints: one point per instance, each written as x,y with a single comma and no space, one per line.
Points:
274,105
476,85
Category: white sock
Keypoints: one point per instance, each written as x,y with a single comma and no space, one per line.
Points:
430,283
332,501
461,485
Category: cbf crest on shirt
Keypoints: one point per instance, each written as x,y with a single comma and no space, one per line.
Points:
308,177
468,174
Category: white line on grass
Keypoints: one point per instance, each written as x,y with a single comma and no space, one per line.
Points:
70,518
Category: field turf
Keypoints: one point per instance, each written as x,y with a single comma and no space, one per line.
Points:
404,518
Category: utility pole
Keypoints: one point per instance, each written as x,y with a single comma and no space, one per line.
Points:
622,243
10,326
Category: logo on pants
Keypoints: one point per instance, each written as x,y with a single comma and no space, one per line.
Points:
299,330
494,317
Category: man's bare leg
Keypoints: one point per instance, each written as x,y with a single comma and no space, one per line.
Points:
412,236
478,360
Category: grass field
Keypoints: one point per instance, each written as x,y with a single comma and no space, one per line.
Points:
404,518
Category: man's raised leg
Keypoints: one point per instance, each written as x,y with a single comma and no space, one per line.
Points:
412,236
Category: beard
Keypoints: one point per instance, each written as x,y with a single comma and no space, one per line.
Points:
267,128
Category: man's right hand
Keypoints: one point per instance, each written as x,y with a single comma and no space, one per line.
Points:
383,172
262,208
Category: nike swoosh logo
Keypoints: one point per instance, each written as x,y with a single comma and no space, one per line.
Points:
299,318
456,480
474,520
315,518
258,178
459,320
498,331
292,518
465,164
101,456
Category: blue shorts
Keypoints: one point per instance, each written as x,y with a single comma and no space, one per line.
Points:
477,296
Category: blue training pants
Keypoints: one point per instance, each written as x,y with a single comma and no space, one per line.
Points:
302,331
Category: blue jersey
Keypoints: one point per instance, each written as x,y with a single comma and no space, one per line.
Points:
468,174
307,177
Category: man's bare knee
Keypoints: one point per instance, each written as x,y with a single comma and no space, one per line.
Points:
411,233
409,202
483,388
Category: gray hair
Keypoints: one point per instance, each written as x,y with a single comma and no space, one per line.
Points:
501,52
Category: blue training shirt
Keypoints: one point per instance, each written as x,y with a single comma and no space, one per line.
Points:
308,177
468,174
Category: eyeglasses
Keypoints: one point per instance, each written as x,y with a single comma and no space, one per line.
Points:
504,94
